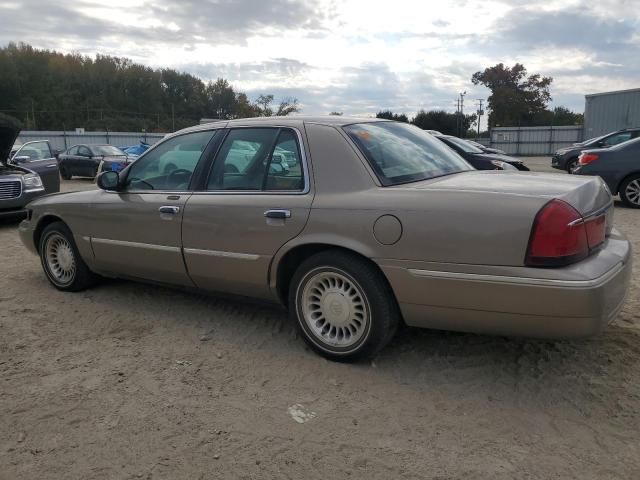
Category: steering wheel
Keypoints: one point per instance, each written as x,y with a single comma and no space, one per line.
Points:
176,173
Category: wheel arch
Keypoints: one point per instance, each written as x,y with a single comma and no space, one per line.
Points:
43,223
287,262
635,173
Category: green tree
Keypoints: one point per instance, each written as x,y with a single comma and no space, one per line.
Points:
444,122
515,96
389,115
50,90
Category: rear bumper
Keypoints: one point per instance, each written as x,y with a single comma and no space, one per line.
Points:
580,301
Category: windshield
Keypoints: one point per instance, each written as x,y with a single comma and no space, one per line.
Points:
464,145
106,150
401,153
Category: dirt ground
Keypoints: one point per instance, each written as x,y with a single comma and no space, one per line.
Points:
135,381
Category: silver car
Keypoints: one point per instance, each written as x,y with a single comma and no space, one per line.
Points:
374,223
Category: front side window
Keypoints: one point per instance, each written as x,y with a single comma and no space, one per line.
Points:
73,151
400,153
35,151
258,159
170,165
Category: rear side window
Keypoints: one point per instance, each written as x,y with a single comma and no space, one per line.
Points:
400,153
258,159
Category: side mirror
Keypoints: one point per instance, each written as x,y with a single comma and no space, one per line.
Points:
56,153
109,181
20,159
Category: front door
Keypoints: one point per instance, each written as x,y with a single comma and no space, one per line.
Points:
137,231
37,156
256,198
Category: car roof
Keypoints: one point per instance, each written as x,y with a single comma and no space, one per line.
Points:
288,121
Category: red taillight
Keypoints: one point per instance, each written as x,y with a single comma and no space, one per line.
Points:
558,237
596,231
585,158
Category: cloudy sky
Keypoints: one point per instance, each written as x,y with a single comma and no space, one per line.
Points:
354,56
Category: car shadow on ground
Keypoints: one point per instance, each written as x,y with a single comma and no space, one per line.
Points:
416,357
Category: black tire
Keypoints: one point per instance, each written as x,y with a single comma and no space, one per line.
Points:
627,189
82,277
571,165
369,285
65,174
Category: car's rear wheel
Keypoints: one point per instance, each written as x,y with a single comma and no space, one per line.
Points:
572,165
343,306
64,173
61,261
630,191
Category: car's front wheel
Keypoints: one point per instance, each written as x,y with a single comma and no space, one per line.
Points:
343,306
61,261
630,191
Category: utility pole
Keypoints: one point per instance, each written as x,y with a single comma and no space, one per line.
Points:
462,123
480,113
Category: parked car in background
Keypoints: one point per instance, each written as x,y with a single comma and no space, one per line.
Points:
619,167
480,159
89,160
16,145
30,173
135,151
567,158
377,223
486,149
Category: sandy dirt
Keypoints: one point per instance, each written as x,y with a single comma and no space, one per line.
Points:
135,381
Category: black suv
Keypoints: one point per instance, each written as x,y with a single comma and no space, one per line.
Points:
567,158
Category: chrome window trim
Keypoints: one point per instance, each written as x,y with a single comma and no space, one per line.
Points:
218,253
123,243
305,169
540,282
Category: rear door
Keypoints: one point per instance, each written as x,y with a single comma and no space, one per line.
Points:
249,207
38,156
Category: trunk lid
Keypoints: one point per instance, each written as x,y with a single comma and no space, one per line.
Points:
587,194
9,130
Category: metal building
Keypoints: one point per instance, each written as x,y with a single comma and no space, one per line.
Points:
609,111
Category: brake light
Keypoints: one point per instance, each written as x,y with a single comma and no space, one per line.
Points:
596,231
585,158
558,237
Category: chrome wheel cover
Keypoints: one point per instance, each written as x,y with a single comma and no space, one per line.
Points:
334,309
632,192
60,259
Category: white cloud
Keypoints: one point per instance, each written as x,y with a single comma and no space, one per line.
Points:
357,56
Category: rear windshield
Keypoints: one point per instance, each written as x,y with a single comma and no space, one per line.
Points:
107,150
464,145
401,153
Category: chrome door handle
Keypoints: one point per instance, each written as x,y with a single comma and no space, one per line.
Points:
171,210
278,213
52,166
